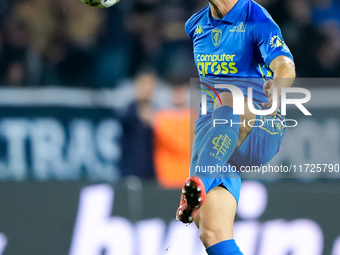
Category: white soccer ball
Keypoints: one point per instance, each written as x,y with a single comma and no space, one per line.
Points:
100,3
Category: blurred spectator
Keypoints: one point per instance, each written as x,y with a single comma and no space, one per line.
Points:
14,49
3,8
326,10
70,54
137,141
176,56
115,49
145,28
15,74
276,9
39,19
300,34
39,24
68,65
2,58
173,139
81,27
326,62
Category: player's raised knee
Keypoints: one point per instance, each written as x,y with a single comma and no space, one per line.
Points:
208,238
226,98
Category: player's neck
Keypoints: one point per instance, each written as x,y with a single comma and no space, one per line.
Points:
220,8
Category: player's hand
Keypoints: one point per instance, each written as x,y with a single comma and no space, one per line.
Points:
268,90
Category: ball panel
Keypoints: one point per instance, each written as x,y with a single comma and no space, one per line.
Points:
100,3
96,4
109,3
93,3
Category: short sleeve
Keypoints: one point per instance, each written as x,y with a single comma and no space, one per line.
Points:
268,38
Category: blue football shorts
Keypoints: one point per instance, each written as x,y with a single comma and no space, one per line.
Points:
258,148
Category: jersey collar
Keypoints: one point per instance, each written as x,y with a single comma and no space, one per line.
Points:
232,16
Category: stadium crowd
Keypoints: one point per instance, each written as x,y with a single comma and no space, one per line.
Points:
67,43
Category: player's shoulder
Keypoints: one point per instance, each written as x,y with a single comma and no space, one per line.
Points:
259,16
195,19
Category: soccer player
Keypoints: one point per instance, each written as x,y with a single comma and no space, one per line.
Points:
235,42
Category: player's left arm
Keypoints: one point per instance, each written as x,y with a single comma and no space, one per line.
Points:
284,75
268,38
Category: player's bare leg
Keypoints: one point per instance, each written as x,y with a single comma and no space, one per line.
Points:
214,212
216,216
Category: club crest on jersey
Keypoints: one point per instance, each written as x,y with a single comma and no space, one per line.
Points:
216,36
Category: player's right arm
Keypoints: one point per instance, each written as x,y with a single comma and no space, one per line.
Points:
284,75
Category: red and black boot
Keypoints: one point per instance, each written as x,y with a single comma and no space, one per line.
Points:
192,198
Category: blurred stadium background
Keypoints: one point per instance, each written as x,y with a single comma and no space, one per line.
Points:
95,141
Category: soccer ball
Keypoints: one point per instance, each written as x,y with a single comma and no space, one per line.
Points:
100,3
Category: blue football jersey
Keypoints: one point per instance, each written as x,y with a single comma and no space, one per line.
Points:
238,48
